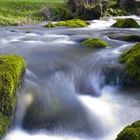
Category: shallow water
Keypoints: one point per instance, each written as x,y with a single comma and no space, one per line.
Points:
66,81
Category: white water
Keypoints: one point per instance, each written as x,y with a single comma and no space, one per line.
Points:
68,81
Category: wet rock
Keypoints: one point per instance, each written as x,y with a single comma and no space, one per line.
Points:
113,74
129,38
28,32
60,112
13,31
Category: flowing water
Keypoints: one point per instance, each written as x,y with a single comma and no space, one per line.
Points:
65,94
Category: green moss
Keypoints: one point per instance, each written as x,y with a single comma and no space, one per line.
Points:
131,132
75,23
95,43
51,25
11,71
126,23
131,61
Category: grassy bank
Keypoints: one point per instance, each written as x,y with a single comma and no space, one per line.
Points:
18,12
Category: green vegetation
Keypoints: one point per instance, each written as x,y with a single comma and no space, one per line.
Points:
116,12
131,61
129,38
87,10
59,12
54,3
56,10
11,72
95,43
126,23
124,7
131,132
18,12
75,23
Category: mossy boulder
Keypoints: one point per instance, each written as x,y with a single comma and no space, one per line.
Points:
131,132
95,43
12,68
126,23
129,38
50,25
74,23
131,61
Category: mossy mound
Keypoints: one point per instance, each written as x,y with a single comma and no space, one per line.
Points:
126,23
50,25
129,38
95,43
11,72
131,132
75,23
131,61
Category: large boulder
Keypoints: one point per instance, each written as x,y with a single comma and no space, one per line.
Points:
74,23
131,132
131,61
11,72
95,43
126,23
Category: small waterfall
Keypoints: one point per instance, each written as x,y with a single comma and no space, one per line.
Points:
57,107
70,91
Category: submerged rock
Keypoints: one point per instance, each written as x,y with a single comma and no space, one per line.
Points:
112,74
95,43
11,72
55,111
74,23
126,23
131,61
131,132
129,38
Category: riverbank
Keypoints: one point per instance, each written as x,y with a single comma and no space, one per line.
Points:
19,12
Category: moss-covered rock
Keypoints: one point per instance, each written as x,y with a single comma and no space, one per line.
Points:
75,23
11,72
50,25
129,38
95,43
126,23
131,61
131,132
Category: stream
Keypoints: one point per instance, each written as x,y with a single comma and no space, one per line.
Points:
65,94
